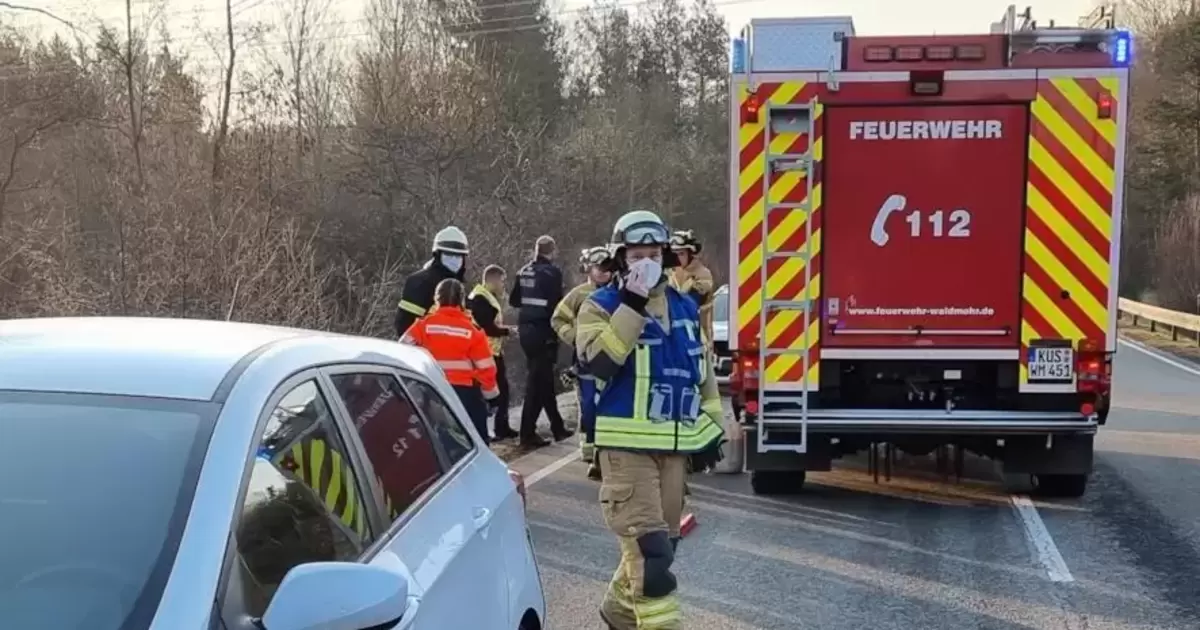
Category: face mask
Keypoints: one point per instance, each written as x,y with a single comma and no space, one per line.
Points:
650,270
453,263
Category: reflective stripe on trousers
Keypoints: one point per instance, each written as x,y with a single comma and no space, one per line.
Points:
642,501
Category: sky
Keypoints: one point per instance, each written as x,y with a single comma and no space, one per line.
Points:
196,25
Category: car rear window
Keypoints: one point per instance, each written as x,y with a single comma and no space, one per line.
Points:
96,492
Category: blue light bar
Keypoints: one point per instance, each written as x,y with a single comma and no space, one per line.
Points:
1122,49
738,55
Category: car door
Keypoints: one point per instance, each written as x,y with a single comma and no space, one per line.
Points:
421,469
496,507
303,500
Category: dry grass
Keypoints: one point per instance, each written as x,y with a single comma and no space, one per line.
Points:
1184,346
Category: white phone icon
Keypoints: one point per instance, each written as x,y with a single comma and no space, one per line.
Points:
894,203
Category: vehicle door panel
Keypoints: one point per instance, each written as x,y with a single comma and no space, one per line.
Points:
426,494
482,483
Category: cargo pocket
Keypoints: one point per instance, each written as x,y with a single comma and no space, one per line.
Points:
615,502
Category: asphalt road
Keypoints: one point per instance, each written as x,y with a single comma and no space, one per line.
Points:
920,552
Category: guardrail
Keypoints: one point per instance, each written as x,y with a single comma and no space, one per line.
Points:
1155,316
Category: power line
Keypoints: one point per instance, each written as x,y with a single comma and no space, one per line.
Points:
465,34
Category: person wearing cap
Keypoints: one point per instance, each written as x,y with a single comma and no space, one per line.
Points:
596,263
658,416
461,348
489,315
449,260
535,294
690,277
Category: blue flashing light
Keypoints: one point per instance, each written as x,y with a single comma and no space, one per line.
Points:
739,55
1122,49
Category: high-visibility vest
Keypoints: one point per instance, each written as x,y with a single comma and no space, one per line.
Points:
653,402
329,476
459,347
495,343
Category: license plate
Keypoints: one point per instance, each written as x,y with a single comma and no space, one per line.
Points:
1051,364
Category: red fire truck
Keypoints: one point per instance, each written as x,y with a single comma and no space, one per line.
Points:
926,234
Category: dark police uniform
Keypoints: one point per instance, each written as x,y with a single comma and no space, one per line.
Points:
536,293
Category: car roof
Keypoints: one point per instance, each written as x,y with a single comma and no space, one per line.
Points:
136,356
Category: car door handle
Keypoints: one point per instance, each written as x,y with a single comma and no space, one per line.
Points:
482,517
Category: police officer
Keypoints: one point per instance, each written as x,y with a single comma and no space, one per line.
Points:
449,261
692,278
657,417
596,263
536,293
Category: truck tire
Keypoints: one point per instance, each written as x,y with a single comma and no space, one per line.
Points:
1062,486
768,482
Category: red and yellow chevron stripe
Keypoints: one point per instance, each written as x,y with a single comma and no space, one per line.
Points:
786,232
1068,214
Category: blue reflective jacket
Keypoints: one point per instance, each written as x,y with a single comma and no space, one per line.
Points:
653,403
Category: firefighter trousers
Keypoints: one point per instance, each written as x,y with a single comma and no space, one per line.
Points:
587,449
642,500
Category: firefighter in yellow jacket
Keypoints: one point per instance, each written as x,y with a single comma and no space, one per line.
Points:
657,417
596,263
692,278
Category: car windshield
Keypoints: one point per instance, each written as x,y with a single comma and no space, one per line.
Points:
721,306
96,491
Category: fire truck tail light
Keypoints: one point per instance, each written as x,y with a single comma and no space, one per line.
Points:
750,109
1104,106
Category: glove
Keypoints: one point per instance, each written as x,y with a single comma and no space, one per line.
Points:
708,458
643,276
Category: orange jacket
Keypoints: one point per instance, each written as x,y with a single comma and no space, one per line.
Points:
459,346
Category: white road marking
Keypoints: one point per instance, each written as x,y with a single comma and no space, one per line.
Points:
1039,537
1141,347
551,468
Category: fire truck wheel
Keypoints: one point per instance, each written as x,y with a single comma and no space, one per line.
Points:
1062,486
777,481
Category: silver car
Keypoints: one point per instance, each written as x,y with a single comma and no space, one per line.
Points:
196,475
724,364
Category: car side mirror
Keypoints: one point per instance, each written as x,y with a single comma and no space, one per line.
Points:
337,596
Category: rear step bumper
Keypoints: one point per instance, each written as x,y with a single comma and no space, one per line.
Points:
910,421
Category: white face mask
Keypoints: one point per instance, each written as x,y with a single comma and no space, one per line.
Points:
451,262
649,271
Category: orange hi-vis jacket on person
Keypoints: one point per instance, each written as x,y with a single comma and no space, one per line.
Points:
459,346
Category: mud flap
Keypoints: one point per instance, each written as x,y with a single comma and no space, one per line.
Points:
1048,455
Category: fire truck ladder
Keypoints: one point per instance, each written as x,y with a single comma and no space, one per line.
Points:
788,119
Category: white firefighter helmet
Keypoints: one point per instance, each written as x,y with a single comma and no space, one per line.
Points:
594,256
640,227
450,240
685,240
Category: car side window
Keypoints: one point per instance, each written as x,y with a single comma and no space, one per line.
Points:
447,427
304,502
395,439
